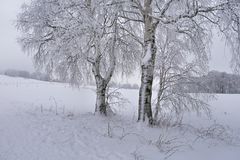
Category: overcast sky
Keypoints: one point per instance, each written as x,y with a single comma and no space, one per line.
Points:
12,57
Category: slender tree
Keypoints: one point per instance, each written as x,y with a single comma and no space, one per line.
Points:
185,16
177,63
71,39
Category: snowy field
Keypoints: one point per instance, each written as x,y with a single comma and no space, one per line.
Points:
52,121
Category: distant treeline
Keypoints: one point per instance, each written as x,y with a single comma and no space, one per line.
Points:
26,74
124,85
45,77
120,85
215,82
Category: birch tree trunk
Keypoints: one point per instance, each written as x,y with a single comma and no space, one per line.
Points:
101,104
102,82
101,85
148,62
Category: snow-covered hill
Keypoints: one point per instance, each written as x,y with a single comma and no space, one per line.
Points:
53,121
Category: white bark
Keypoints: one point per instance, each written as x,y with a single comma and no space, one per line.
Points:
102,82
101,104
145,93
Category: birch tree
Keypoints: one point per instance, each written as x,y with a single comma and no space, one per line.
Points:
177,62
182,16
71,39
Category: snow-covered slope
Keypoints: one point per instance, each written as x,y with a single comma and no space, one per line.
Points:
52,121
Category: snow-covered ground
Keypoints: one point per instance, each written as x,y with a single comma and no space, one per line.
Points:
53,121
